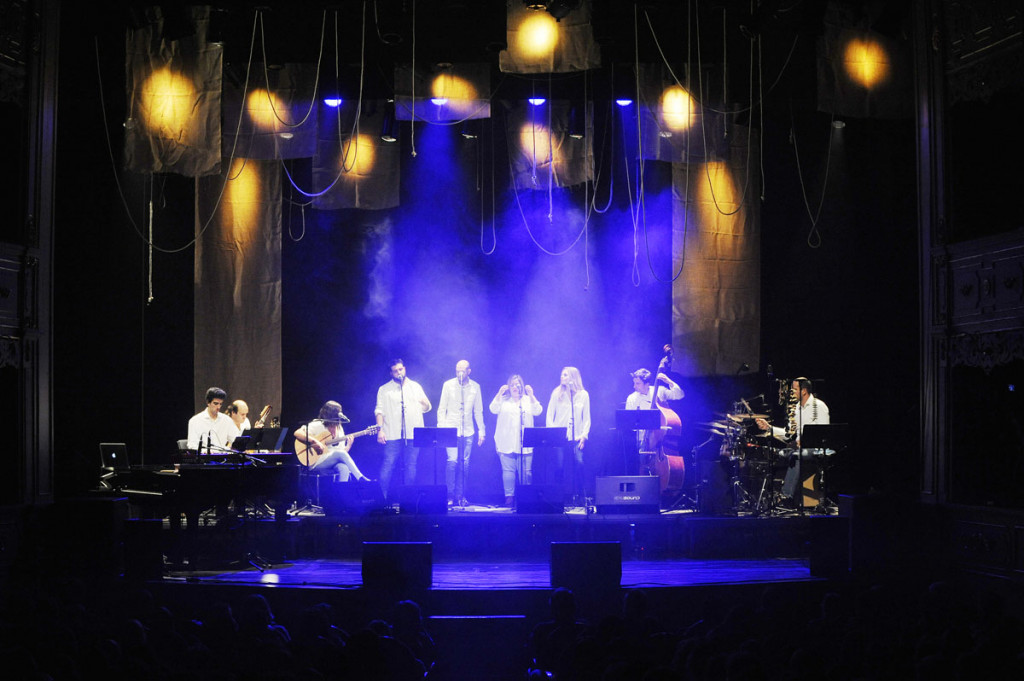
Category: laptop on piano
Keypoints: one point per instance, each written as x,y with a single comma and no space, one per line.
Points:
114,456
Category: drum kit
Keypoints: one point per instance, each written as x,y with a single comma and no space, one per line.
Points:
751,464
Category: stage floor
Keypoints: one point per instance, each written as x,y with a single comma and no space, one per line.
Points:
470,576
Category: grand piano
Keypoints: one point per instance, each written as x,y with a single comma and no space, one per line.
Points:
192,488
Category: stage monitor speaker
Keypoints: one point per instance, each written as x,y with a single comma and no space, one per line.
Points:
399,568
586,567
628,494
351,497
539,499
423,499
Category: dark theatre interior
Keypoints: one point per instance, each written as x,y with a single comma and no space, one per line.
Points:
805,219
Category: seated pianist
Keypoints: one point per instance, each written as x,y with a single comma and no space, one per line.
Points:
210,430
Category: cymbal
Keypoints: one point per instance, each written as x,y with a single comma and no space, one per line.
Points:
716,424
738,418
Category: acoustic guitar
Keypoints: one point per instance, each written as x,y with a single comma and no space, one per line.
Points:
309,456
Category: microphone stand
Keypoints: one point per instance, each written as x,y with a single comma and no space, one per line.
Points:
520,473
460,441
572,431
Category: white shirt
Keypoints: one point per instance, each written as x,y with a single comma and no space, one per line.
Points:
507,434
389,404
220,430
559,413
457,404
239,430
812,411
643,400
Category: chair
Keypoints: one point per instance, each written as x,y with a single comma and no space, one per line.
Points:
313,504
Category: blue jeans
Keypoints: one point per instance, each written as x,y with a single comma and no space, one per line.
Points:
392,450
574,486
456,471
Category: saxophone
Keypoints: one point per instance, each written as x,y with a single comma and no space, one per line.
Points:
791,414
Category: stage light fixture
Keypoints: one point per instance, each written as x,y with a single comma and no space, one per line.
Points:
560,9
333,102
838,124
536,101
622,101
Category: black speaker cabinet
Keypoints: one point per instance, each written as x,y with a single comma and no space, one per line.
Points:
423,499
539,499
586,567
398,568
627,494
351,497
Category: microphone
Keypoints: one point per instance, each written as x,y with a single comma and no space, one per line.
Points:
743,367
341,418
771,372
462,376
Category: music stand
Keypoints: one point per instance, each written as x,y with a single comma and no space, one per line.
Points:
636,420
834,436
825,438
546,437
435,438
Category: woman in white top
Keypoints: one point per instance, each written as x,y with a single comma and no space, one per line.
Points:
569,408
515,406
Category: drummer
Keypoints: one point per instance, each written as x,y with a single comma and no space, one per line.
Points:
808,410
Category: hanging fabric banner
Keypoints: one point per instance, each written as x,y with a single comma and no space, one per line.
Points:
862,73
279,119
357,167
453,92
542,147
174,98
673,125
716,239
237,287
538,43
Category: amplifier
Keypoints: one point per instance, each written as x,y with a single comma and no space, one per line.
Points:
628,494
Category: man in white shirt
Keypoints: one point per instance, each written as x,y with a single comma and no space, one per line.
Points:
401,404
209,429
809,410
642,397
460,406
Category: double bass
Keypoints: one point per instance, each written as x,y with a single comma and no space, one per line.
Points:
664,443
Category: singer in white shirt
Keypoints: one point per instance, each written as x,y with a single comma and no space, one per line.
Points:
401,404
209,429
515,406
569,407
461,405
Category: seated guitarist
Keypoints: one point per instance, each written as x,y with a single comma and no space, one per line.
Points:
328,445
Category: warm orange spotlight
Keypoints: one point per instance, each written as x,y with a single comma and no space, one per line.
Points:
677,112
866,62
242,195
452,88
167,99
538,35
266,110
537,145
716,193
359,157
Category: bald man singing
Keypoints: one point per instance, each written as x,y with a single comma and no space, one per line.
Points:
461,405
